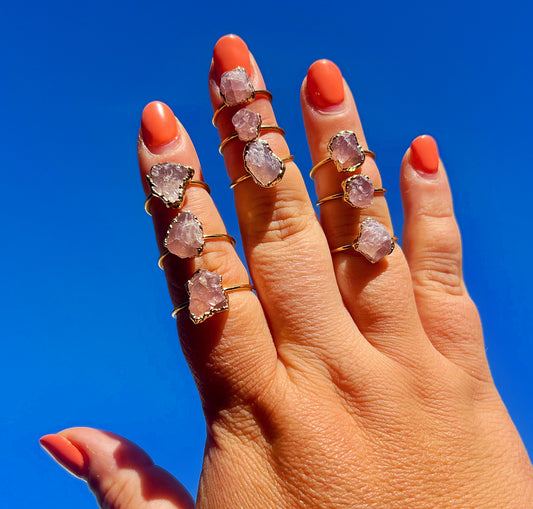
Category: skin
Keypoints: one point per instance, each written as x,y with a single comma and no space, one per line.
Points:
340,384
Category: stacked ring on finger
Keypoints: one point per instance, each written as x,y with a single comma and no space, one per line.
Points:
373,240
261,164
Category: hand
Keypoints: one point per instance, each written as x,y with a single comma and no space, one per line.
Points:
341,383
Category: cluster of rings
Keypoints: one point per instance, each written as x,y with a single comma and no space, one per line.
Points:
373,241
185,238
264,167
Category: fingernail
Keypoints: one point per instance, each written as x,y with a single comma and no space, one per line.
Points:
158,125
324,84
230,52
425,155
66,454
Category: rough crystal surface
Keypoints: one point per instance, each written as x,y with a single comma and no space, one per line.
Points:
185,237
247,124
168,181
374,241
235,87
265,167
359,191
206,295
346,151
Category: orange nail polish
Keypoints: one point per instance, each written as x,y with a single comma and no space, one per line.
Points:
230,52
425,155
158,125
324,84
66,454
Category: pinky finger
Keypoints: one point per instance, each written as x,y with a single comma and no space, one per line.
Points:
432,245
119,473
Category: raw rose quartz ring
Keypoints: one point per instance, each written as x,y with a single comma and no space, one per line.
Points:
262,165
236,89
185,237
248,127
373,242
359,192
207,296
168,181
345,151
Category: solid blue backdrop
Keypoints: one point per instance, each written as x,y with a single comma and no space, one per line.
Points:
86,333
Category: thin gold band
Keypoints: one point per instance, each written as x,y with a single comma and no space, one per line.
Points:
263,128
196,183
379,190
350,246
236,288
263,93
213,236
246,176
318,165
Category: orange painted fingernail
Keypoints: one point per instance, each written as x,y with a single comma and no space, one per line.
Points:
324,84
230,52
158,125
425,155
66,454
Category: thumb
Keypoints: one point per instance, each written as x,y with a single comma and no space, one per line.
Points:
119,473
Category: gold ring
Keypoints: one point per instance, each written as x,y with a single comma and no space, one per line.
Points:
345,151
256,93
207,238
262,129
358,192
207,296
374,242
192,183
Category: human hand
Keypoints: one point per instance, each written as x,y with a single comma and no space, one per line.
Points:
342,383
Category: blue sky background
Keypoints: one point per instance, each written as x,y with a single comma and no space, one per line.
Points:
86,334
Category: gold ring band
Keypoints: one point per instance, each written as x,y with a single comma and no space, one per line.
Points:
350,246
197,183
263,128
213,236
246,176
326,160
235,288
262,93
378,191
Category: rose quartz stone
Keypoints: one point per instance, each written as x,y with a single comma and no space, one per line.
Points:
265,167
185,237
206,295
346,151
374,241
247,124
168,181
359,191
235,87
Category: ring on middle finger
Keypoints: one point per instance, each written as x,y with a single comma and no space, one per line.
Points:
358,192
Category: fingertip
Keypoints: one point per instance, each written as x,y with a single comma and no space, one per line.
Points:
230,52
325,85
158,125
66,453
424,155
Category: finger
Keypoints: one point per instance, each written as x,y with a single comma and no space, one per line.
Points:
284,244
432,245
232,350
379,296
119,473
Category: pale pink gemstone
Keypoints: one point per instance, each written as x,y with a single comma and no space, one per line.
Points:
235,87
168,180
265,167
185,237
359,191
346,151
206,295
374,241
247,124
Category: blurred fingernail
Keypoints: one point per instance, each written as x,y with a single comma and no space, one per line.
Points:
66,454
425,155
324,84
158,125
230,52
